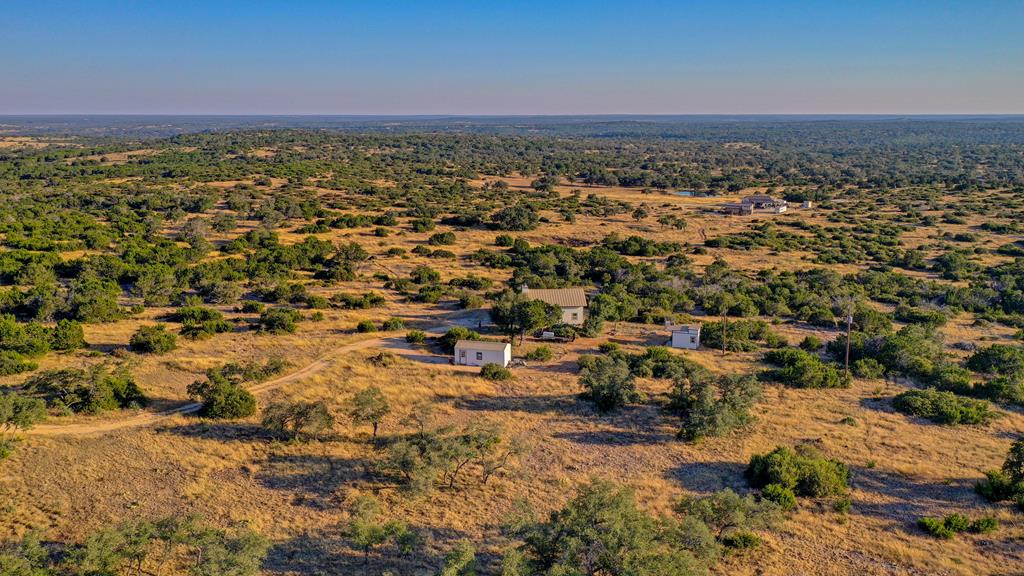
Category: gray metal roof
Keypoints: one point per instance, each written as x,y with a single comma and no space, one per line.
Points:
561,297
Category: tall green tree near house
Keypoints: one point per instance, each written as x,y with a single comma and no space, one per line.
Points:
515,314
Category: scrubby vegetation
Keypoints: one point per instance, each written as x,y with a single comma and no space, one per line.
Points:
198,251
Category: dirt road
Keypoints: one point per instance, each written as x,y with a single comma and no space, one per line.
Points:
150,418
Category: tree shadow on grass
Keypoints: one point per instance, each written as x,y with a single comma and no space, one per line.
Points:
331,552
644,424
903,499
707,477
566,404
316,480
221,431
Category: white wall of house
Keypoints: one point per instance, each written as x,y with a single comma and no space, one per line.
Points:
687,339
574,316
470,356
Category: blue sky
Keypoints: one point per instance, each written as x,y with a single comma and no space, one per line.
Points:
527,57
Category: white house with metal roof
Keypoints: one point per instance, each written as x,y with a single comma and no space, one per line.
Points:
572,301
480,352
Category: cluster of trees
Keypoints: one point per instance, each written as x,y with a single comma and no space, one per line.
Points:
444,456
601,530
707,404
169,545
787,473
222,392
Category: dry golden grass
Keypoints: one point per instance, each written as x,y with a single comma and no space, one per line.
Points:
296,493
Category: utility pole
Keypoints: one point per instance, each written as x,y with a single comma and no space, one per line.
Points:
849,328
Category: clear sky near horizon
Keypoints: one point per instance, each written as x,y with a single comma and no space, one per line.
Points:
526,57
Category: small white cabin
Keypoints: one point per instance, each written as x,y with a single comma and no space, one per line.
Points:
480,352
686,336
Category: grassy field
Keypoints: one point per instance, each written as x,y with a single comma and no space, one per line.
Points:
69,484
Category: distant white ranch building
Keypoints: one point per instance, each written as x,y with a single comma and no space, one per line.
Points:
686,336
480,352
572,301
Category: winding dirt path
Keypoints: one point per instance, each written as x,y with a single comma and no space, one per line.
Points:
150,418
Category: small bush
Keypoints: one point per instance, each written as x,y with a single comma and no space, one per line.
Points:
801,369
67,335
984,525
416,337
252,307
608,347
496,372
392,324
868,368
811,343
781,495
366,326
153,340
540,354
222,397
279,320
804,470
13,363
943,407
953,524
935,527
741,540
998,487
455,334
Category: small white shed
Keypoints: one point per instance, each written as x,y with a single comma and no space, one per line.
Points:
686,336
480,352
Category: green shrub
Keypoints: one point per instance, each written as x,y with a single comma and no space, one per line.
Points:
67,335
222,397
984,525
935,527
366,326
811,343
803,470
416,337
252,307
13,363
943,407
540,354
392,324
741,540
279,320
455,334
153,340
85,391
781,495
608,382
801,369
442,239
998,487
953,524
608,347
868,368
492,371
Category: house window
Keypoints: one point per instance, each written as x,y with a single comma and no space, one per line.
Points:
462,353
479,355
693,339
575,316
